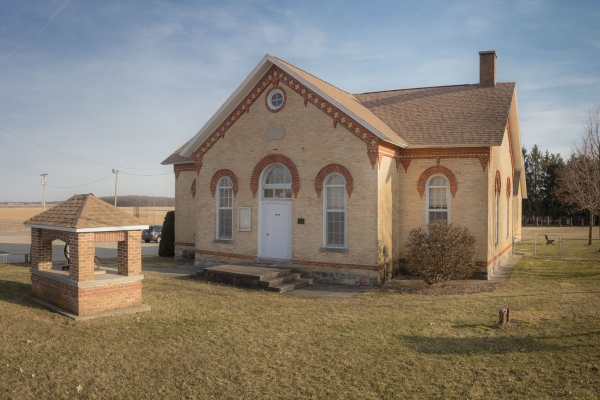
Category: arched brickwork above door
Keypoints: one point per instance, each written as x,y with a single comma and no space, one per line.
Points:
508,187
275,159
437,169
498,182
51,235
331,168
218,175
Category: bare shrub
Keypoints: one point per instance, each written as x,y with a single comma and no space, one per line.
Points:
440,252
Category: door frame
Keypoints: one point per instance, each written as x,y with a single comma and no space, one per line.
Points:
261,201
261,215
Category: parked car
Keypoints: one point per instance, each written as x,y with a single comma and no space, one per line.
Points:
152,233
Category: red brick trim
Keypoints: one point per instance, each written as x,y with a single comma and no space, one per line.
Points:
218,175
222,254
100,237
275,159
498,182
177,168
275,87
484,161
333,265
50,235
508,187
329,169
510,148
497,256
193,189
437,169
276,76
404,156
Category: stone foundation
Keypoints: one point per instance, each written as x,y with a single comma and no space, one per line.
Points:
184,252
343,276
108,291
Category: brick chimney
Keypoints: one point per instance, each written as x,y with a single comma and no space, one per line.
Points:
487,68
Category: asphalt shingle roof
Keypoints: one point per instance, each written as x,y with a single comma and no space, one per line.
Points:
444,115
84,211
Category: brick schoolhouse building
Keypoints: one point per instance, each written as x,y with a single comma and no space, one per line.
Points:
290,167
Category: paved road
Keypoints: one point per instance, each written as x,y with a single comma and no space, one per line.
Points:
20,243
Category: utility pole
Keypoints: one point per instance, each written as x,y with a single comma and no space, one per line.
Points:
116,172
44,185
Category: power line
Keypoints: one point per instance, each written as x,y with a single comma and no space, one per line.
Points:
72,156
126,173
73,187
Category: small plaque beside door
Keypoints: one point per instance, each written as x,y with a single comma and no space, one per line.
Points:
244,219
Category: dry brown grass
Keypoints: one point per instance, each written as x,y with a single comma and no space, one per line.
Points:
202,340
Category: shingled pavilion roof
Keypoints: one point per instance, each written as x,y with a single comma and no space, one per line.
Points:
85,213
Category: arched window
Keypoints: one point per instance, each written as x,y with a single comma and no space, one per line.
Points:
507,215
334,208
438,200
277,183
225,208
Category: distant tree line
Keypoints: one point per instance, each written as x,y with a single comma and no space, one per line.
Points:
541,174
131,200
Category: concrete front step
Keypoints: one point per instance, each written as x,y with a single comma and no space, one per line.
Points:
263,275
287,287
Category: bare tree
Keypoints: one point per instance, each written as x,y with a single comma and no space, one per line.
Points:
579,179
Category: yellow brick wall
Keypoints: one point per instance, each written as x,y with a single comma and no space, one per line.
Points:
185,214
311,142
501,161
468,207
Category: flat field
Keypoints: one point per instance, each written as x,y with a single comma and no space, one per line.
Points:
203,340
12,217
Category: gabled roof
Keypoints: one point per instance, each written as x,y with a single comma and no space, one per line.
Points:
85,213
462,115
337,97
445,116
177,158
349,102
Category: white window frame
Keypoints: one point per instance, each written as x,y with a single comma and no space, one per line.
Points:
427,209
496,218
265,185
272,94
507,215
219,208
325,211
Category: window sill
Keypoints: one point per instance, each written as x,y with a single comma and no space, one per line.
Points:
227,241
333,250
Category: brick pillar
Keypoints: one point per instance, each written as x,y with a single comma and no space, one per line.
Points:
82,249
130,254
41,253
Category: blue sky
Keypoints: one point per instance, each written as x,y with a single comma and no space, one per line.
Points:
122,84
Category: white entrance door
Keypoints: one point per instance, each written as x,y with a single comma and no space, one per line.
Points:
277,230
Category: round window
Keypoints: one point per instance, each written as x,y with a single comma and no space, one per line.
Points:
275,99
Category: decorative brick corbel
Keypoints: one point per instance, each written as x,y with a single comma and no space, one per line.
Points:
198,162
484,161
405,163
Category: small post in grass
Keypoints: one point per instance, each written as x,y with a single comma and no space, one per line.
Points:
504,316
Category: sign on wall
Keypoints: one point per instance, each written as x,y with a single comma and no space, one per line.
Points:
244,219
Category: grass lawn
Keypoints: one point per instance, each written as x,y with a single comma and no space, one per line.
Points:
202,340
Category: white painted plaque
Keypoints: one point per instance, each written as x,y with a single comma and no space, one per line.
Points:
244,219
275,132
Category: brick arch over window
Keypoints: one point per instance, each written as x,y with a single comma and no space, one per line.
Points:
275,159
218,175
328,169
508,187
51,236
498,182
193,189
437,169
